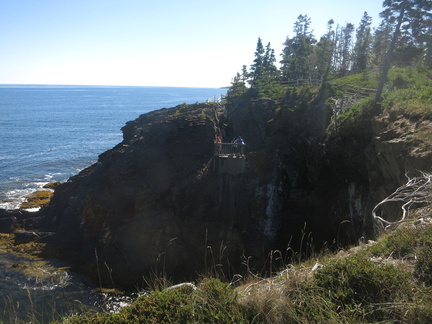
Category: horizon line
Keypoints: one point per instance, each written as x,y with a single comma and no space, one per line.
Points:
98,85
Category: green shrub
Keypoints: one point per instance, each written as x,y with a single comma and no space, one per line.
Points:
355,283
409,92
212,302
216,302
362,80
272,91
407,77
403,242
355,120
398,243
168,306
423,266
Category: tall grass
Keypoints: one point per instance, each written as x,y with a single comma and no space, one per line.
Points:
389,281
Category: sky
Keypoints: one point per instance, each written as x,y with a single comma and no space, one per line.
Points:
180,43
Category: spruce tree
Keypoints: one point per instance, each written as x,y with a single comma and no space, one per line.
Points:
381,41
257,66
363,44
323,53
296,55
345,45
413,18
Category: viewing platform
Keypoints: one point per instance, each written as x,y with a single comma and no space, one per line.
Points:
230,158
227,149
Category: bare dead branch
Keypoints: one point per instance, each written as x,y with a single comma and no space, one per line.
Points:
417,190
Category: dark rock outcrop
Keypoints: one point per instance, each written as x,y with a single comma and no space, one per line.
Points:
400,148
27,237
8,224
156,201
11,220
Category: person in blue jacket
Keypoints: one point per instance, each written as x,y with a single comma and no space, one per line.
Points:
240,147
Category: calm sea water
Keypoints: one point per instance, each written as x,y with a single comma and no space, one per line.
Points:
49,133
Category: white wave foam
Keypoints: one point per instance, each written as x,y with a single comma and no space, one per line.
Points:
32,210
13,198
11,204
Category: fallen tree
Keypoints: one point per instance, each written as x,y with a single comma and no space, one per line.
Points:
416,191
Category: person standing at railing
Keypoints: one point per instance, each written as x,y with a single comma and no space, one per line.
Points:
218,144
240,145
233,147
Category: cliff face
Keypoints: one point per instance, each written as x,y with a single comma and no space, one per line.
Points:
399,148
157,201
153,202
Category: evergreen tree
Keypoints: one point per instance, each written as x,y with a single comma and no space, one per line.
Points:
245,74
381,42
296,55
413,18
264,73
323,53
363,44
343,63
270,71
428,50
236,90
257,66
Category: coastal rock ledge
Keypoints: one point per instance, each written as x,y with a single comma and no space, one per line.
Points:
158,202
154,203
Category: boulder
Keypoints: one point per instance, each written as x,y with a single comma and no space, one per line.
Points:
8,224
27,237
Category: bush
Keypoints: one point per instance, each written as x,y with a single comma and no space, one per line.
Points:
216,302
403,242
354,282
356,120
293,300
409,92
423,267
212,302
362,80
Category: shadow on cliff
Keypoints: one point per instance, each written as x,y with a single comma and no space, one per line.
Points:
157,202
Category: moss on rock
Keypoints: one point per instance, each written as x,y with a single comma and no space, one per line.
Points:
37,199
52,185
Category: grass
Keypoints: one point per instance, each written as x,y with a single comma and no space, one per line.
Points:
388,281
211,302
408,91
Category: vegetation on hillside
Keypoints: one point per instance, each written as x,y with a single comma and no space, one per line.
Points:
357,72
386,281
402,39
408,92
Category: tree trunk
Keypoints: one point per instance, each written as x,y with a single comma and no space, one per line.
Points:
390,51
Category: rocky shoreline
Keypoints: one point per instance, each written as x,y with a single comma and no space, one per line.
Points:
159,202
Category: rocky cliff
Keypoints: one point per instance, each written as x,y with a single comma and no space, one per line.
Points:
158,202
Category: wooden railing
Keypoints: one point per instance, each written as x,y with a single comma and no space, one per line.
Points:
227,149
300,82
217,98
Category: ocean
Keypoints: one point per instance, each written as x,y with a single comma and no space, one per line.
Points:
50,133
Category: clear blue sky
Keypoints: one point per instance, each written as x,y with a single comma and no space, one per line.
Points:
152,43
